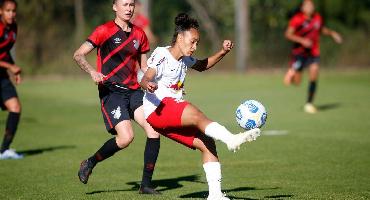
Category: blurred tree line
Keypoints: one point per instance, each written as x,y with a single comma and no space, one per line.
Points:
49,31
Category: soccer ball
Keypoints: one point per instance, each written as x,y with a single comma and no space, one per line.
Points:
251,114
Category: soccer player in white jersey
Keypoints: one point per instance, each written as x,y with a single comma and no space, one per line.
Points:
177,119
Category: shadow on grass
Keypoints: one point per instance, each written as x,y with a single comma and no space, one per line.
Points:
281,196
204,194
33,152
164,184
329,106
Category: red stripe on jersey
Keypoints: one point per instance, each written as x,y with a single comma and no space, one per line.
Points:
119,48
106,114
6,42
3,55
118,68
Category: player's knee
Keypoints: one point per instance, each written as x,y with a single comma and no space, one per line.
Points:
123,142
152,133
15,107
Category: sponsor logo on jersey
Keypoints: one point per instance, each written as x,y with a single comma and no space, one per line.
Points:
161,61
116,113
117,40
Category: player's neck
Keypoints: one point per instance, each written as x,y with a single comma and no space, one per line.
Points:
124,25
175,52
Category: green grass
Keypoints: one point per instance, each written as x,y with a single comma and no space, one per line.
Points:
322,156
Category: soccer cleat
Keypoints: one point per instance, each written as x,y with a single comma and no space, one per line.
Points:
310,108
218,197
10,154
148,190
238,139
86,168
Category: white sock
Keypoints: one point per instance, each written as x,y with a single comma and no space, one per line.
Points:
213,175
218,132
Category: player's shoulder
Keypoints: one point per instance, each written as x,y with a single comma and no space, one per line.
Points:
160,51
317,16
137,29
158,56
299,16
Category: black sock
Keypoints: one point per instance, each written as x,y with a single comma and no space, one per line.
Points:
10,130
311,91
150,158
107,150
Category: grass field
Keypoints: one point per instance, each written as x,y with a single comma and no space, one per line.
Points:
299,156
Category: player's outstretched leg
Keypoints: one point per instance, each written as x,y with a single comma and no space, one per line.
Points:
233,142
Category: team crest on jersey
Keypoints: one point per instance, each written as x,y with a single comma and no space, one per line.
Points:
117,40
136,44
116,113
317,25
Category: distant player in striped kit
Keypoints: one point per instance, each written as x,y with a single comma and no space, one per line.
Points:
172,116
120,45
305,28
8,95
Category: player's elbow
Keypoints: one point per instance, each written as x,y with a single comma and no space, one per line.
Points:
76,56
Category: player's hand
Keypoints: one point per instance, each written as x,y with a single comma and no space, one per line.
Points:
15,69
306,43
18,79
151,87
336,37
227,45
97,77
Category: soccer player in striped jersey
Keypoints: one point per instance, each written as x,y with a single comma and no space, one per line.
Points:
172,116
120,46
304,30
8,95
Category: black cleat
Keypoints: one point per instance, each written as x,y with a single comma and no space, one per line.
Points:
85,171
148,190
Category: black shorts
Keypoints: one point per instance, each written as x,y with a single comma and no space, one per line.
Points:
118,104
7,91
298,63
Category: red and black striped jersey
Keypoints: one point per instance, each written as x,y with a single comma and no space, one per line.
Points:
309,28
8,35
118,52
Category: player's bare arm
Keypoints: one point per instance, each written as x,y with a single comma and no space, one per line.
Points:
211,61
80,57
14,69
143,62
146,82
335,35
289,34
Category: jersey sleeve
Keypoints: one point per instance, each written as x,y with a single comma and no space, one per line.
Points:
96,37
156,60
144,47
295,22
189,61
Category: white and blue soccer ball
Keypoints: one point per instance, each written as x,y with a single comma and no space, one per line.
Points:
251,114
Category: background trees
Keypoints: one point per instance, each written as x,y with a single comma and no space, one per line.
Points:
49,31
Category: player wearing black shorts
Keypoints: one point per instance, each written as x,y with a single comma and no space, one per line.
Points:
120,46
8,95
304,29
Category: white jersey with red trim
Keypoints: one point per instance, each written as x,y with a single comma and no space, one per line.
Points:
170,77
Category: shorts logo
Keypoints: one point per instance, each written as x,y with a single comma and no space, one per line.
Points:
117,40
116,113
